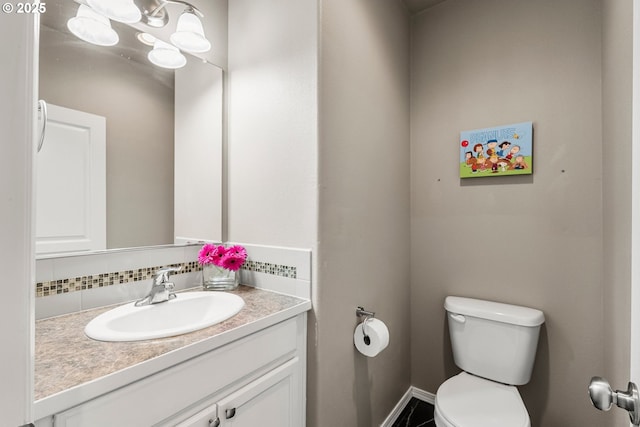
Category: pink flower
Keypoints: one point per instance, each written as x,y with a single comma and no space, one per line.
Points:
218,255
206,254
232,261
230,258
239,251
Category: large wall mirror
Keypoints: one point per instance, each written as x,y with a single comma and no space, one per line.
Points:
129,146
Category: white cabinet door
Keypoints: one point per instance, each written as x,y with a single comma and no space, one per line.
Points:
71,183
272,400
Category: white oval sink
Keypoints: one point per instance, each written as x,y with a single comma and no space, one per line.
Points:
188,312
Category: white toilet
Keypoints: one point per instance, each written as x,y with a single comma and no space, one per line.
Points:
495,345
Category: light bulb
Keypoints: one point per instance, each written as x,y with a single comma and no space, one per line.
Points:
189,35
166,55
146,38
92,27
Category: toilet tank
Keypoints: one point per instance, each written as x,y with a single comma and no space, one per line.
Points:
493,340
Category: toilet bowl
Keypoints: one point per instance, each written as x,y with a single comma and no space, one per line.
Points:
495,346
469,401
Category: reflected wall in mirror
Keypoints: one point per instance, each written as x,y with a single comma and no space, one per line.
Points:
162,149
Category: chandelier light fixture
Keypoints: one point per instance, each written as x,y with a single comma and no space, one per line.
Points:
92,24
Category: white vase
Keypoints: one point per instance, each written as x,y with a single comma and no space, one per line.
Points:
216,278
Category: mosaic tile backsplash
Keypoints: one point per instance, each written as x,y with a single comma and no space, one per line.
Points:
268,268
74,284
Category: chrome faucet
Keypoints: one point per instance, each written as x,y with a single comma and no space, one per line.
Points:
161,288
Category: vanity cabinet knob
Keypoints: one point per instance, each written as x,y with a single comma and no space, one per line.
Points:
214,423
230,413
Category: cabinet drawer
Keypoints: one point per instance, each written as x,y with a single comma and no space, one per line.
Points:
157,397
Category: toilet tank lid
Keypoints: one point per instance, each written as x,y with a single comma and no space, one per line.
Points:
496,311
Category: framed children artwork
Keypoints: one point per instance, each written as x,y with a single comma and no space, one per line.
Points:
497,151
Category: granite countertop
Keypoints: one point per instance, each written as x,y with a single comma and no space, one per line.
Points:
66,358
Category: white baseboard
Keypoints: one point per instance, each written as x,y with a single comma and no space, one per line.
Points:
425,396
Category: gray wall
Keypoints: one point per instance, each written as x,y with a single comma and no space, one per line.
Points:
537,240
565,65
363,235
318,149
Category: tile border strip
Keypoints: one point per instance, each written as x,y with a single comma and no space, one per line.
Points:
269,268
74,284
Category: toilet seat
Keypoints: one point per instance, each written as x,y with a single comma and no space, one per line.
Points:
469,401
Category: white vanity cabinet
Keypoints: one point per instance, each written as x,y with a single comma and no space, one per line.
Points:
256,380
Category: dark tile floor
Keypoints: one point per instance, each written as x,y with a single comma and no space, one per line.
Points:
416,414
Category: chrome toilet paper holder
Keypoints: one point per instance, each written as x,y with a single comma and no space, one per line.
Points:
360,311
368,315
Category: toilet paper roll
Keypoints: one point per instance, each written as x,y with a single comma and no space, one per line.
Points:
378,337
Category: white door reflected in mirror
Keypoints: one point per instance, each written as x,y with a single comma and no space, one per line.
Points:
71,183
